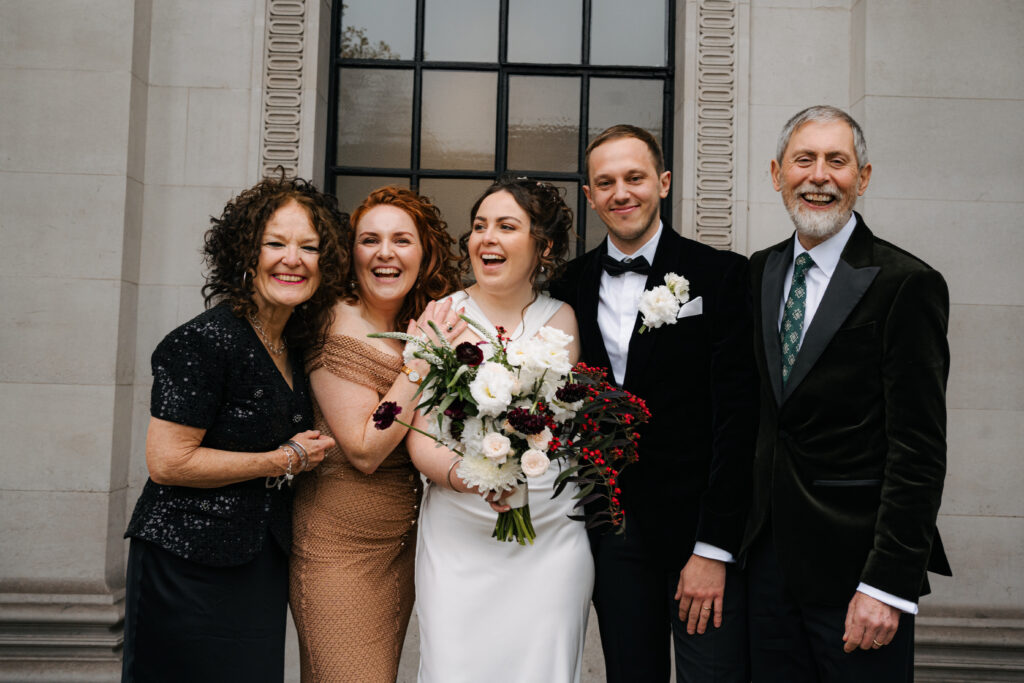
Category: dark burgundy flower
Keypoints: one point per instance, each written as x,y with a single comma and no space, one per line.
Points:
526,423
469,354
571,393
456,410
385,414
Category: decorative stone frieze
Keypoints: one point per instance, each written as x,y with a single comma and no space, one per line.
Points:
715,122
284,45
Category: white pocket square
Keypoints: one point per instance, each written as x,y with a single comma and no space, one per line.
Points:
692,307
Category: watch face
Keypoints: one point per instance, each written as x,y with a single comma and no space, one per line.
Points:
414,376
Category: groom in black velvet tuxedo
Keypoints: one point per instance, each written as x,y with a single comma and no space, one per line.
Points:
851,451
672,577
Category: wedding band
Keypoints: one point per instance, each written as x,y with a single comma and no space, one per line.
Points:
875,644
705,609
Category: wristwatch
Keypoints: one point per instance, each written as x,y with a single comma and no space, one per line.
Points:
413,376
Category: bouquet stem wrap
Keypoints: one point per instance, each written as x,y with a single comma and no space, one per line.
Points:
515,524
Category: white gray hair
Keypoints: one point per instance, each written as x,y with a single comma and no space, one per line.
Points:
823,113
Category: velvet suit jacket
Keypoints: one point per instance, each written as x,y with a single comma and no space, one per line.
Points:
851,453
697,376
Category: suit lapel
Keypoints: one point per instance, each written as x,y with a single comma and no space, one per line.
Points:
771,299
589,289
847,286
641,346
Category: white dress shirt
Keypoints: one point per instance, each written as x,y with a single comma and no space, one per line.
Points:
826,258
617,307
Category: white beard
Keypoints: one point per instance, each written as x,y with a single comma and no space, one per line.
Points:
820,224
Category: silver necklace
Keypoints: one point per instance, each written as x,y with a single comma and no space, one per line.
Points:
258,326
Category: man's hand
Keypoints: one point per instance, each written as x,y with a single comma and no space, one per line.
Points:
701,593
870,623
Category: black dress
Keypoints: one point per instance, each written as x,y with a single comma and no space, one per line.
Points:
207,583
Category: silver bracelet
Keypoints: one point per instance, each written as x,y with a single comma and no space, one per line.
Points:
455,461
279,481
300,450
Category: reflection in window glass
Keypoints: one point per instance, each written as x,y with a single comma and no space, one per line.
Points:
352,189
544,31
461,31
628,33
459,108
543,123
374,117
378,29
623,100
455,198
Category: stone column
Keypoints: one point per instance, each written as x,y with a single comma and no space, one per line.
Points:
72,130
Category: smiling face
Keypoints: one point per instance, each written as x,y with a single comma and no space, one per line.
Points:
501,249
819,179
387,254
287,270
626,191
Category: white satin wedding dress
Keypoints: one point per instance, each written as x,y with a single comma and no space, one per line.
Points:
495,611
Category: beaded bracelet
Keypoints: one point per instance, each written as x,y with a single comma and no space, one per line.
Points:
278,481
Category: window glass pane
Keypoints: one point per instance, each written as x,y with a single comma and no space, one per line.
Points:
374,117
569,194
455,198
461,31
628,33
622,100
545,31
457,126
543,123
351,190
378,29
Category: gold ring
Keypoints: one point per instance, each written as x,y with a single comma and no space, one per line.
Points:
875,644
705,609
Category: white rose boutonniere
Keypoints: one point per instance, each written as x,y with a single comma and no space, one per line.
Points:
660,305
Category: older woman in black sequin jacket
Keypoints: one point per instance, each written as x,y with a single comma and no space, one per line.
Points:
231,424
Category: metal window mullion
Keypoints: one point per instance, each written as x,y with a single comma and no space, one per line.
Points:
581,200
417,98
330,159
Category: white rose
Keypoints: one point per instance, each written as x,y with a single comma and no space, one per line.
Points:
534,463
540,440
679,286
492,389
658,306
555,336
496,447
472,435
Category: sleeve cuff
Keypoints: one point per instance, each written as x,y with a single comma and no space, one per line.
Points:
715,553
889,599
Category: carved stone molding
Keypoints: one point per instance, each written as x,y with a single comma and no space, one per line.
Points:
284,44
968,649
716,122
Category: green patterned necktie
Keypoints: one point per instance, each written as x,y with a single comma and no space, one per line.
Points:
793,317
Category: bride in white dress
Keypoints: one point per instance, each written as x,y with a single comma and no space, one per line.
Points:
489,610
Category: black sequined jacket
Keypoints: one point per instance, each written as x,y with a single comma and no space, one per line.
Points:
214,373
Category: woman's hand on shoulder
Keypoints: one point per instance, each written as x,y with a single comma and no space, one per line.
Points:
443,314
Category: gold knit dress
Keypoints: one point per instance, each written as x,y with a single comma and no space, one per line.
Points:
354,543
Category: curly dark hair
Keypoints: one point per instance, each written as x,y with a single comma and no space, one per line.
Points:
550,224
438,276
231,250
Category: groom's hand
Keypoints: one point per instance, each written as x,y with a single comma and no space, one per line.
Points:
700,593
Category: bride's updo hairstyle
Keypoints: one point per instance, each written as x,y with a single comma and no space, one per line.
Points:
550,224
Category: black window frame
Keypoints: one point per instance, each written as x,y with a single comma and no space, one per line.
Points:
504,69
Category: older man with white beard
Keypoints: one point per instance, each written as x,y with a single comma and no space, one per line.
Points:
850,460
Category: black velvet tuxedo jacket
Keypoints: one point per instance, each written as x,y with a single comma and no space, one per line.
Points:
692,481
851,453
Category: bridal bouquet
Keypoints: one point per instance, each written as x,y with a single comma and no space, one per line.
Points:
510,415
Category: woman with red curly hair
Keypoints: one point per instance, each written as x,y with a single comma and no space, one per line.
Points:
354,519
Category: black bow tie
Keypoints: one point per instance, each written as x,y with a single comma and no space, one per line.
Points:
614,267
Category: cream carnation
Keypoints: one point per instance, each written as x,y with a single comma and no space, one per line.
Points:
496,447
534,463
679,286
658,306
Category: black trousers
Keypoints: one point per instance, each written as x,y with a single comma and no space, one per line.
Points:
190,622
793,642
639,620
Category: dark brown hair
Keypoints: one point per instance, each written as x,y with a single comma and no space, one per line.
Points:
232,247
438,276
624,130
550,223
